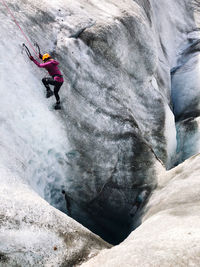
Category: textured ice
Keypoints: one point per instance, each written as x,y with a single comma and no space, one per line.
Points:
117,122
169,234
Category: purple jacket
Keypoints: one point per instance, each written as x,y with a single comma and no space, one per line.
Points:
52,67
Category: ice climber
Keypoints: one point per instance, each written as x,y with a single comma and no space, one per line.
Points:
139,201
68,202
56,78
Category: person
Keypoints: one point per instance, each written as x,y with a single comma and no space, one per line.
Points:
56,78
139,201
68,202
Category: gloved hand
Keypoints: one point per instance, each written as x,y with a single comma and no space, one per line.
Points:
40,56
31,58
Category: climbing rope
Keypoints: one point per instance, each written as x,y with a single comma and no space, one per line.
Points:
13,17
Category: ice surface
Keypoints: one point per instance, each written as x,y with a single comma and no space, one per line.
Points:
186,87
169,234
33,233
188,144
170,133
33,137
117,122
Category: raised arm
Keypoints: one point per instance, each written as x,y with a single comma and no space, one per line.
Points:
40,65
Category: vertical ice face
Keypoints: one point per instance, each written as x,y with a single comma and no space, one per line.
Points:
116,123
33,137
186,100
170,135
175,23
186,86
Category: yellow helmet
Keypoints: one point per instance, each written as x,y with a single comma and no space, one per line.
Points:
46,57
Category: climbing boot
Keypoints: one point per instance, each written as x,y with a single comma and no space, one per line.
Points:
49,93
57,105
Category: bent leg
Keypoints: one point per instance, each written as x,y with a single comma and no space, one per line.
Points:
46,82
56,90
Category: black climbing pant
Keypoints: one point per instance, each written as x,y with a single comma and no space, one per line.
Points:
57,85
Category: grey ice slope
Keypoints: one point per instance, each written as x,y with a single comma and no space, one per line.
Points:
169,234
118,121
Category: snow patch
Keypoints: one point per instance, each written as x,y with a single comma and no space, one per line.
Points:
170,135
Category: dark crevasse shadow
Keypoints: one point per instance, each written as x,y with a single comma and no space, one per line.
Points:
105,223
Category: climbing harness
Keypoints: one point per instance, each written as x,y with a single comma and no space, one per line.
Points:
13,17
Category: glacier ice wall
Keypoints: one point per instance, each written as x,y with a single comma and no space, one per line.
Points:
117,122
169,234
33,233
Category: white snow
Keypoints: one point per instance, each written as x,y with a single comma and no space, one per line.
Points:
170,135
